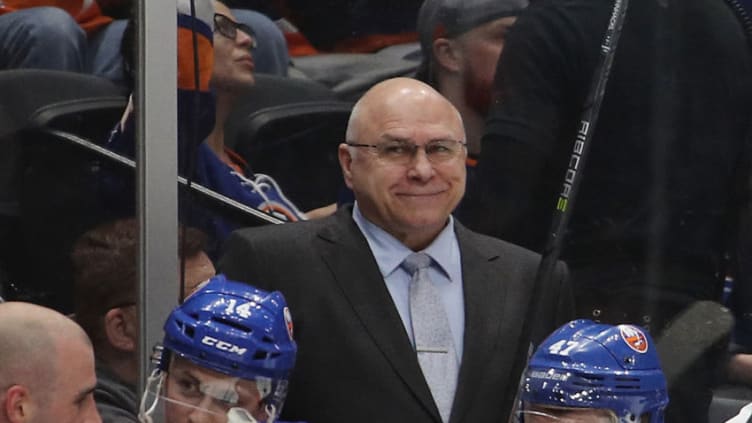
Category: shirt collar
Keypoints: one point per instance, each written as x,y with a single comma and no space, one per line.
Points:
390,252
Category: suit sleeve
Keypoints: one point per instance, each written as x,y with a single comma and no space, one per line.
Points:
556,304
239,261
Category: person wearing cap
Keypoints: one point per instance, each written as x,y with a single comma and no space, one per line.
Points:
461,41
224,72
226,357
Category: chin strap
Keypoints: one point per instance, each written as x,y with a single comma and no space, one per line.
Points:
154,386
271,412
241,415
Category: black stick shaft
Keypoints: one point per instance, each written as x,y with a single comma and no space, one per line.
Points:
533,328
581,146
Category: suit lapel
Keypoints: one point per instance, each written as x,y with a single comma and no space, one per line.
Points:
484,308
346,253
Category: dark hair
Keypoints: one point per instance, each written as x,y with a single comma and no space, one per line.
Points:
105,270
194,242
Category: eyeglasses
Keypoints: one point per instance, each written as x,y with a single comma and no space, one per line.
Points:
229,28
403,153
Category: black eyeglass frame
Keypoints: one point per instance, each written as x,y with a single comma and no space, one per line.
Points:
412,149
229,28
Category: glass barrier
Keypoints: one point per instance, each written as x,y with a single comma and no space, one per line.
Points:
609,137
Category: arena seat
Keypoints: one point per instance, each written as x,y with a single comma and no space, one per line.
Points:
297,145
350,75
289,128
53,125
270,91
30,258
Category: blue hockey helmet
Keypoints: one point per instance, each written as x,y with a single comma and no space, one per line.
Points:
232,328
227,355
587,365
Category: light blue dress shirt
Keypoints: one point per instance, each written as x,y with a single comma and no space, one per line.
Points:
445,273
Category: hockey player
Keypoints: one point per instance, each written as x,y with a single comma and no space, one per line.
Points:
588,372
226,357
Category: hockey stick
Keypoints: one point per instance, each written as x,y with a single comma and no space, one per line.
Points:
580,148
532,329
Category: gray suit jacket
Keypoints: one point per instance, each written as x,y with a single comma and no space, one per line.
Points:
355,361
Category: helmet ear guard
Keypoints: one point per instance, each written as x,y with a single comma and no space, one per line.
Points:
596,366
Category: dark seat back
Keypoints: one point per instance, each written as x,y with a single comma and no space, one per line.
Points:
25,93
43,196
296,144
270,91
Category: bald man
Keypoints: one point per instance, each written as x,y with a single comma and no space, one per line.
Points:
348,286
46,367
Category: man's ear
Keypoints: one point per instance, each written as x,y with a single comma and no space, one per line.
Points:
345,162
447,55
17,405
120,327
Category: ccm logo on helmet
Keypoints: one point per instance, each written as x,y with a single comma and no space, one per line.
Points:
222,345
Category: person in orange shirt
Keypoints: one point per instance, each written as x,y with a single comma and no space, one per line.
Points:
69,35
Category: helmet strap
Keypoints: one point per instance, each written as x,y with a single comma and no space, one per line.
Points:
153,384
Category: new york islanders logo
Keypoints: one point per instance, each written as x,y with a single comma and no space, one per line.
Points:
634,337
288,321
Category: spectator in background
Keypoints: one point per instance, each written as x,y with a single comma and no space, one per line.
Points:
615,367
270,55
404,159
232,75
104,260
46,367
81,36
228,354
461,41
225,61
68,35
666,180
